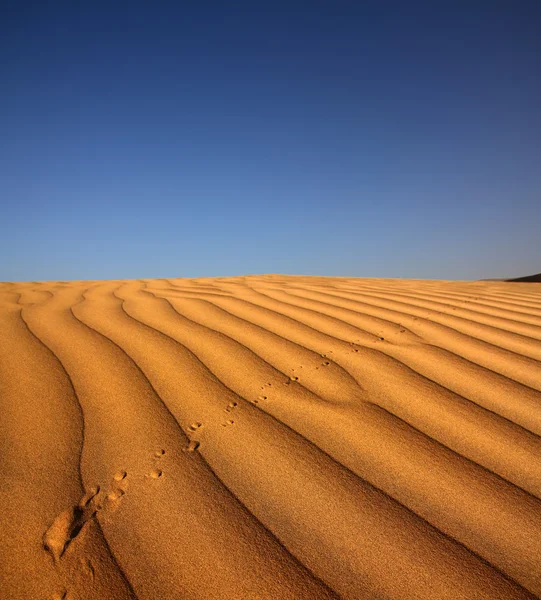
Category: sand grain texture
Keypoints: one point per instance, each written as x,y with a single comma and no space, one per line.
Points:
270,437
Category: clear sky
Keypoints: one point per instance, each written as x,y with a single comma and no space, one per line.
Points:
196,139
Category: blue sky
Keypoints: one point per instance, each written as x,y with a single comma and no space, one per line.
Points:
172,139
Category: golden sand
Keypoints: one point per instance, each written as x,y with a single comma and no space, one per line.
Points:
270,437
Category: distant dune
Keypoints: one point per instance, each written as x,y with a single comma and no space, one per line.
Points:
270,437
529,278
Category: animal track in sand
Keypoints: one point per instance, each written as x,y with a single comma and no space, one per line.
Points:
155,473
230,406
159,453
68,524
115,494
194,426
192,446
294,377
230,422
119,476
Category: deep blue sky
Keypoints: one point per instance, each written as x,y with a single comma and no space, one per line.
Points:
192,139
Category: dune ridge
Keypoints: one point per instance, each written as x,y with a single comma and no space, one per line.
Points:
271,437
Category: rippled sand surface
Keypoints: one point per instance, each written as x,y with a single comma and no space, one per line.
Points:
270,437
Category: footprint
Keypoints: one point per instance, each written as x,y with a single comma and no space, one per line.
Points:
230,422
294,378
326,363
192,446
69,523
194,426
63,530
262,397
119,476
60,595
115,494
159,453
230,406
156,473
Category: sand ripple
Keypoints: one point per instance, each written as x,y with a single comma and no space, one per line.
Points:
270,437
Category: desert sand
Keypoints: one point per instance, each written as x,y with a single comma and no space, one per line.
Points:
270,437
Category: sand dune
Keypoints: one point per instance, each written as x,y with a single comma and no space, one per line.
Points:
270,437
529,278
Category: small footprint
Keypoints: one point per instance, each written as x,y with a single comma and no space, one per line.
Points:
156,473
194,426
115,494
119,476
230,422
192,446
326,363
60,595
230,406
159,453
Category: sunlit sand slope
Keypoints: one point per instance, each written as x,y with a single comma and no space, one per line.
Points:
270,437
